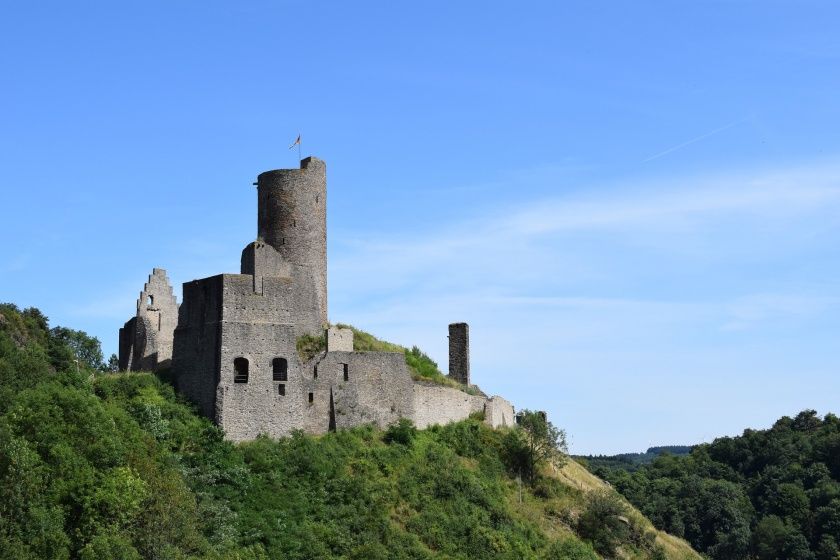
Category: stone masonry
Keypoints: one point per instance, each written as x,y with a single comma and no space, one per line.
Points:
459,353
146,338
233,340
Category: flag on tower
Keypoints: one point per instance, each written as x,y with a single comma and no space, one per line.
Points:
295,143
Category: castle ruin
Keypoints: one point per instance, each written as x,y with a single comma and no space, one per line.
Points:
233,340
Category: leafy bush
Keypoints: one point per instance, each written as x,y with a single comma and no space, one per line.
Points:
569,549
604,522
402,432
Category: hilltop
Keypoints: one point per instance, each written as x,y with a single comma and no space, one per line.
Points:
100,465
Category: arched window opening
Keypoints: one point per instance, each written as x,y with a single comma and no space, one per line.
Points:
280,369
150,301
240,370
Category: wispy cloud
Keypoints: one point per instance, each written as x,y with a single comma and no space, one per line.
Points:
761,308
508,246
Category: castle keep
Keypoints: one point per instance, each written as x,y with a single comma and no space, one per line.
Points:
232,343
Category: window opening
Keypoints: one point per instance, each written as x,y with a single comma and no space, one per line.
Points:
280,369
240,370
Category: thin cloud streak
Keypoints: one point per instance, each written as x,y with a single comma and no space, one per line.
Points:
692,141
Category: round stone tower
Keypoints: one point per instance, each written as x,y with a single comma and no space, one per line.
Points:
292,218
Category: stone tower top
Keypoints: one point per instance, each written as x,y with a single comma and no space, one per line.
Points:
292,218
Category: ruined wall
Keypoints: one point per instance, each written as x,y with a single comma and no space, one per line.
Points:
195,356
377,387
128,333
438,404
459,352
292,218
339,340
261,260
499,412
146,339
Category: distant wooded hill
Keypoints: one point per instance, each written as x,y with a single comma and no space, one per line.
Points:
767,494
632,461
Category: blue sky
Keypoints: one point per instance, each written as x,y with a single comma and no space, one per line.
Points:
636,206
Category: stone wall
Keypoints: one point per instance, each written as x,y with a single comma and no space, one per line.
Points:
261,260
498,412
339,340
438,404
146,339
367,387
195,355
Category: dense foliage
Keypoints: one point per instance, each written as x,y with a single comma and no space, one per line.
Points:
768,494
96,465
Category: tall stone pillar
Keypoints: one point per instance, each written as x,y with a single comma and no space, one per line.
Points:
459,352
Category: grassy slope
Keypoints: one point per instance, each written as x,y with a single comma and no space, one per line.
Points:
574,474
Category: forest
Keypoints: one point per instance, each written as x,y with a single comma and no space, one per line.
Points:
768,494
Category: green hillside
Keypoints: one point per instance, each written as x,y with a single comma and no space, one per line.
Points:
96,465
767,494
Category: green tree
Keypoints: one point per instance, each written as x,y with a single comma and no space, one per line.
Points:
86,349
532,443
113,364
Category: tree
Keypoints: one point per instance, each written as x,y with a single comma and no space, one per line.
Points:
534,442
86,349
113,364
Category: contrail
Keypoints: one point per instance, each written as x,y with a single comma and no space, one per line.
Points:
692,141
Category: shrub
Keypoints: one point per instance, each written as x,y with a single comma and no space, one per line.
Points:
604,522
402,432
569,549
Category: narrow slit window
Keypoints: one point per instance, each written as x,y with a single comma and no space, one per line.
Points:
346,368
240,370
281,390
315,372
311,398
280,369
